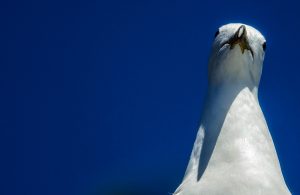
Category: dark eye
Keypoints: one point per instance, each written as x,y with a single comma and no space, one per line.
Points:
264,45
217,33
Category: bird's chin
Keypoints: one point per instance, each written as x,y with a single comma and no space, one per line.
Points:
226,50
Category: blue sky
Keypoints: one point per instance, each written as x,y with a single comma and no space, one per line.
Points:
105,97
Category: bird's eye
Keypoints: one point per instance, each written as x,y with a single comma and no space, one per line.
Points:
264,46
217,33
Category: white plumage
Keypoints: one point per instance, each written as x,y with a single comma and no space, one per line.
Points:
234,153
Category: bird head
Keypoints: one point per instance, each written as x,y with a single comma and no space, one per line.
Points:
237,55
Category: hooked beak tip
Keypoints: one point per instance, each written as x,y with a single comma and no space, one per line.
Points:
241,32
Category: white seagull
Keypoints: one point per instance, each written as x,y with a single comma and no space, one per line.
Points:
234,153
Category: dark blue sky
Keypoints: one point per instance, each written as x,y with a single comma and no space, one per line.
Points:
105,97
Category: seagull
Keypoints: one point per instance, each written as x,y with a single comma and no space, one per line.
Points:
234,153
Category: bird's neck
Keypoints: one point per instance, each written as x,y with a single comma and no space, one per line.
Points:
234,138
222,95
234,117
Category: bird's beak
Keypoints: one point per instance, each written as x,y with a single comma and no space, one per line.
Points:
240,38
